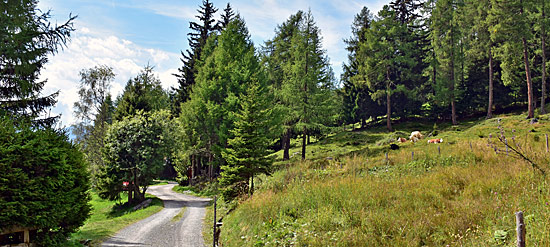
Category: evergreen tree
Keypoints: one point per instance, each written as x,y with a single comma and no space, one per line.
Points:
27,39
197,39
308,80
446,35
511,28
247,151
222,77
275,55
385,59
357,102
227,16
142,92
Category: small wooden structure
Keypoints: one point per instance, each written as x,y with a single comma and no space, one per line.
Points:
17,237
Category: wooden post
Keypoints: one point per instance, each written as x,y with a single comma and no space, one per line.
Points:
520,229
439,149
412,155
471,149
386,158
546,142
214,232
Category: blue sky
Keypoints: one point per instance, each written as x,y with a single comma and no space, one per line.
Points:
129,34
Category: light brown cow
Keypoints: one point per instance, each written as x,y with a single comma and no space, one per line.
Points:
435,140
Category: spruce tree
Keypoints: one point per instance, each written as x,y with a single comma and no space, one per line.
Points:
357,102
222,77
27,38
248,148
142,92
227,16
197,39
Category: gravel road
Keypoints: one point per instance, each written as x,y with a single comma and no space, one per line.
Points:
159,229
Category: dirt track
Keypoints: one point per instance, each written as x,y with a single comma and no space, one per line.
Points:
159,229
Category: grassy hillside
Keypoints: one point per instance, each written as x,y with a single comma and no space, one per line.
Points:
464,194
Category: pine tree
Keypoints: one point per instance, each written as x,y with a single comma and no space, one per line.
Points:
247,152
197,39
27,39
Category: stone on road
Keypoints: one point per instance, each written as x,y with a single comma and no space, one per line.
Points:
159,229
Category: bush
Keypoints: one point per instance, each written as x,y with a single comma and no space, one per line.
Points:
44,182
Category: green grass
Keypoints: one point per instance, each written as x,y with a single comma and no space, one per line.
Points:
465,196
200,190
107,218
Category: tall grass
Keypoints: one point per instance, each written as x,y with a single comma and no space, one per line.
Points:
465,196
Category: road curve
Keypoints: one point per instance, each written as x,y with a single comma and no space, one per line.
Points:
159,229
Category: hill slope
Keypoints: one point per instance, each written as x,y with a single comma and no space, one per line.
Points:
463,193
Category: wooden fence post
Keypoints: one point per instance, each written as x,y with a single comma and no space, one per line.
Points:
412,155
214,232
520,229
471,149
387,158
546,142
439,149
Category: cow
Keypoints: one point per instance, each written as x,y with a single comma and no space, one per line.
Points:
401,139
435,140
415,136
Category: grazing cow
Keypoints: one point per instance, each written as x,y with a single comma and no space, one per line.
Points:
435,140
394,146
401,139
415,136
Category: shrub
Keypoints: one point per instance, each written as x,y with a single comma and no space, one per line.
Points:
44,182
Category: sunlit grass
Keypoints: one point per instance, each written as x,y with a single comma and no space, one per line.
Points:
106,218
462,194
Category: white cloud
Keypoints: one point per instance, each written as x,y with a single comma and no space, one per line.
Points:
87,50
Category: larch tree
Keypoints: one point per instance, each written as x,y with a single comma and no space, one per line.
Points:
27,39
446,35
222,76
276,54
511,28
308,80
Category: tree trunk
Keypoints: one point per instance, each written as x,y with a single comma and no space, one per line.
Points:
130,189
192,170
530,101
530,98
251,189
543,34
286,145
388,102
304,137
490,107
308,139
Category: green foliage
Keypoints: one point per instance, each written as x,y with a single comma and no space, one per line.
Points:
248,147
135,151
27,39
108,217
209,116
43,182
142,92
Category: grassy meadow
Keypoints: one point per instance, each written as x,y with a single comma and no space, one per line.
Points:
463,194
107,218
